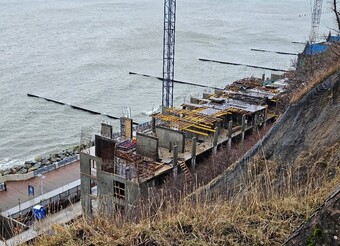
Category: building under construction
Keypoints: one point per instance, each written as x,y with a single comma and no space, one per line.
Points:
121,167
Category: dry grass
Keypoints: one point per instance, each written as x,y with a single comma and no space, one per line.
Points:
316,70
272,203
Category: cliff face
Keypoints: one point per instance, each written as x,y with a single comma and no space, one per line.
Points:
310,124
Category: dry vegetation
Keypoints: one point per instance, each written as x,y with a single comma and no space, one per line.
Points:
272,203
312,71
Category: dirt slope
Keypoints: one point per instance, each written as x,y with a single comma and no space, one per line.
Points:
323,227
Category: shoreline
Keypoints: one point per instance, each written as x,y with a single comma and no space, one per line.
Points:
41,164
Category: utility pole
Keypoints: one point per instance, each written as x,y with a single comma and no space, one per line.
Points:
169,52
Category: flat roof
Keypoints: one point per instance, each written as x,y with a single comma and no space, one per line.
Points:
229,103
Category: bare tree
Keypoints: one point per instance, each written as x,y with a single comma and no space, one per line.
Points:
337,14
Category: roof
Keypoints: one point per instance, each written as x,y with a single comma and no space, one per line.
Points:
314,49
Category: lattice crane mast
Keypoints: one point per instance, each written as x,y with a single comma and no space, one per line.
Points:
316,16
168,52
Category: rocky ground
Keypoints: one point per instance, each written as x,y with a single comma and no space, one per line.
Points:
42,161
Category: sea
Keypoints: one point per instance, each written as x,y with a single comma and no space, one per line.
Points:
80,52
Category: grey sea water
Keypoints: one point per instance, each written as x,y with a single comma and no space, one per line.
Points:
81,51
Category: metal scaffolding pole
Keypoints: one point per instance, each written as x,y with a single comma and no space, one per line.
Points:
168,52
316,17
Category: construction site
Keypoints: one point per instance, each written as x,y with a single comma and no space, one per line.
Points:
120,168
124,166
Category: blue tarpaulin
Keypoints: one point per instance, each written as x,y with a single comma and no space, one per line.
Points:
314,49
334,39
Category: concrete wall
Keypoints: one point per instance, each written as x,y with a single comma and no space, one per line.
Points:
104,147
194,100
147,146
169,138
85,182
16,177
105,191
206,95
106,130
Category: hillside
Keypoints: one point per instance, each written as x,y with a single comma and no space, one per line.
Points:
259,200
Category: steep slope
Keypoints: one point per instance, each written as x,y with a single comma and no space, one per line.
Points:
308,131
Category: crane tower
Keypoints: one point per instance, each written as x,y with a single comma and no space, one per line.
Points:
168,52
316,16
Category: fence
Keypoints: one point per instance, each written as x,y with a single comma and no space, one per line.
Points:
56,165
51,204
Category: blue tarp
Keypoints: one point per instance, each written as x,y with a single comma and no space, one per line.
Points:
314,49
334,39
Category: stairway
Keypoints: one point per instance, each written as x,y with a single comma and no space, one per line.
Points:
186,171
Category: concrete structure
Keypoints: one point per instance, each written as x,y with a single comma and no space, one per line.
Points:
124,168
122,177
106,130
169,138
147,146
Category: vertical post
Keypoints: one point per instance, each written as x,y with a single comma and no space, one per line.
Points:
215,141
193,152
230,132
243,128
41,186
153,125
19,203
255,122
265,116
175,160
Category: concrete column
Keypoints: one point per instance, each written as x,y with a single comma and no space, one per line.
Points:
215,140
265,116
85,188
243,127
206,95
193,152
255,122
175,160
230,131
153,125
